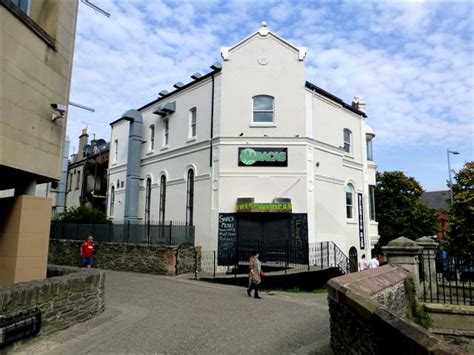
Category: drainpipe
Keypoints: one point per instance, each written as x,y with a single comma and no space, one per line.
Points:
212,122
133,166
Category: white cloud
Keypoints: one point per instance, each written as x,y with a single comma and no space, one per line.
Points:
411,62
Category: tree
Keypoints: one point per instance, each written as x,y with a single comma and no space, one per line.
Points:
83,214
400,211
461,214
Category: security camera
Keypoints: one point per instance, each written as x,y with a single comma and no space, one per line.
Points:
59,107
59,111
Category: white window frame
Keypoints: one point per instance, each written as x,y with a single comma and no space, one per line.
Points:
349,206
152,137
112,201
116,142
257,123
190,197
166,132
370,151
192,123
347,143
372,214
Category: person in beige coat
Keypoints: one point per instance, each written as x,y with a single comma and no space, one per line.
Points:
255,269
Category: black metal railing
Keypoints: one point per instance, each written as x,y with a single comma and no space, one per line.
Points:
170,233
276,256
446,280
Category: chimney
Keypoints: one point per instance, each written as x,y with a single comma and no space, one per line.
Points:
83,140
359,104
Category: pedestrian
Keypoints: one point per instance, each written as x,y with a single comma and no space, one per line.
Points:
255,270
363,264
87,252
374,262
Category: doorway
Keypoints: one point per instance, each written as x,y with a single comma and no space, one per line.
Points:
353,259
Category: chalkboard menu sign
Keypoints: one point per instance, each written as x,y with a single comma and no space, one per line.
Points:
361,222
227,239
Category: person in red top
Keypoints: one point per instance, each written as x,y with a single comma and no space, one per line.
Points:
87,252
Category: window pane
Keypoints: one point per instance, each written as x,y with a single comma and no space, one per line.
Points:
347,147
369,150
349,198
263,117
347,136
349,211
263,103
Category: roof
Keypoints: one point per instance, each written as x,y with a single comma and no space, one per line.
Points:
191,83
436,199
334,98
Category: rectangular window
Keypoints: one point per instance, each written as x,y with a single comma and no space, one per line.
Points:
370,154
263,109
116,150
166,132
347,140
69,183
372,202
192,122
152,137
23,5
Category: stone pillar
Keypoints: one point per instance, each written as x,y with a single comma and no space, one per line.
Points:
429,285
404,253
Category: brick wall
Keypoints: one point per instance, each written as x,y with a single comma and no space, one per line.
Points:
152,259
367,312
68,297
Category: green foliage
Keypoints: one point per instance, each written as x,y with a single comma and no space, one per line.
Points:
416,312
461,213
400,211
83,214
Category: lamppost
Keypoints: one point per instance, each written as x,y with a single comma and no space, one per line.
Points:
449,170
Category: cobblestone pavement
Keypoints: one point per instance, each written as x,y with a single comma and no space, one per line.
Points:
157,314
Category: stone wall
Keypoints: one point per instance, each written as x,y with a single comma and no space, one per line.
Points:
367,312
64,300
152,259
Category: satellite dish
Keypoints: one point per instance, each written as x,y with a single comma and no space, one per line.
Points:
87,150
101,144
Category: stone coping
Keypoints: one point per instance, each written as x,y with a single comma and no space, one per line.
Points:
449,308
354,290
370,282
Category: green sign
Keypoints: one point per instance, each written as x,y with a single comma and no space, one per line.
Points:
263,157
264,207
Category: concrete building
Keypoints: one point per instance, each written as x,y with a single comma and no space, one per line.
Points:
249,150
87,174
37,51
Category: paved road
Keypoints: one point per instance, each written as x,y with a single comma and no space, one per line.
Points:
157,314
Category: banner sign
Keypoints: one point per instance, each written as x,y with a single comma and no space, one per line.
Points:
264,207
263,156
361,221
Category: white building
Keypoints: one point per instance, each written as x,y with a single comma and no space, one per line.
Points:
249,150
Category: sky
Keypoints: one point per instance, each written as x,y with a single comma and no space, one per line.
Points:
412,62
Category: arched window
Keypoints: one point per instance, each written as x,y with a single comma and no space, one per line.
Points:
353,259
112,201
162,199
349,201
347,140
190,198
147,201
263,109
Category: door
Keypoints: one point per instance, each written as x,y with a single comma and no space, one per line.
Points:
353,259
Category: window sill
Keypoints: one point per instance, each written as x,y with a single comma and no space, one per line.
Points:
31,24
150,152
351,221
192,139
165,147
348,155
260,125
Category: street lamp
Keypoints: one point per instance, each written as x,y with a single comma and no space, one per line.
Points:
449,170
